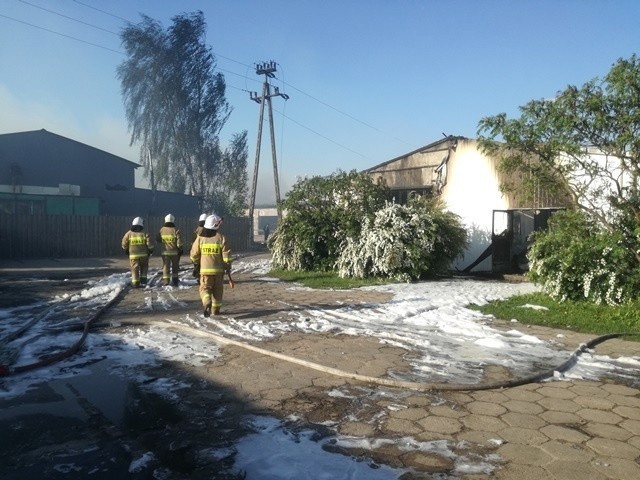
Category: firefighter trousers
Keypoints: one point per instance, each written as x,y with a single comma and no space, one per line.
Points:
211,289
139,268
170,269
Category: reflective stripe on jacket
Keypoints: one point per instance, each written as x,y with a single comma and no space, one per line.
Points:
138,243
212,253
170,240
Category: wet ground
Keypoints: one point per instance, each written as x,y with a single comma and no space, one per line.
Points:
104,425
96,426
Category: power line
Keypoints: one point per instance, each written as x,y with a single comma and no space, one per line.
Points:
284,83
217,55
346,114
102,11
68,17
320,135
62,34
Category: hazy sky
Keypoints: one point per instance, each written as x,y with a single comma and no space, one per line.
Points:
368,80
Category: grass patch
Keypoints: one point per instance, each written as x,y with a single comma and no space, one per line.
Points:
324,280
577,316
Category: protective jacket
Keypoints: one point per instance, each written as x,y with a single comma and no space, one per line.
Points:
198,231
138,244
212,253
170,240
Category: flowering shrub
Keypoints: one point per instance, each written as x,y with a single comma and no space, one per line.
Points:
405,242
345,221
320,213
577,260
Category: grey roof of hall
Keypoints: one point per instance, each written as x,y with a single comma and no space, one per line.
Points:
417,150
43,131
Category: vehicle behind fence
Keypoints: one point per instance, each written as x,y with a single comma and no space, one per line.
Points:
76,236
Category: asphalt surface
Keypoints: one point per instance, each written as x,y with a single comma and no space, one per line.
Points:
557,430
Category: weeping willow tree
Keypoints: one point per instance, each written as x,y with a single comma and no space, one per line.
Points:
176,108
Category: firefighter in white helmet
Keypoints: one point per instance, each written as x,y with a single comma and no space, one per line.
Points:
138,245
170,240
213,254
200,227
197,232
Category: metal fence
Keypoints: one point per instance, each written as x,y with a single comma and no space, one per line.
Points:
72,236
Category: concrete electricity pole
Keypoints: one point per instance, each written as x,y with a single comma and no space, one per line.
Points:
267,69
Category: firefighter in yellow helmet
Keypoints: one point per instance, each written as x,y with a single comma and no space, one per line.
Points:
138,245
213,254
170,240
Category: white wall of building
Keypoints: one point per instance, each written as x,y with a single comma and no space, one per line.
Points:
472,191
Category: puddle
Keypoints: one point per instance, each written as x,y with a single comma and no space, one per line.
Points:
77,396
275,452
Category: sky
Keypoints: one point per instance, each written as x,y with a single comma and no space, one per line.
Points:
430,319
367,80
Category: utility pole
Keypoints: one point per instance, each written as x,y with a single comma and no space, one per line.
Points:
267,69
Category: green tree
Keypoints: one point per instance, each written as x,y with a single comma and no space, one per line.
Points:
320,213
176,107
586,141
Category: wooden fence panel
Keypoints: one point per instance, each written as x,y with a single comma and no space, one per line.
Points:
76,236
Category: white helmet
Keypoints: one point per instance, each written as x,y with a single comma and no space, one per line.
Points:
212,222
169,218
137,222
203,217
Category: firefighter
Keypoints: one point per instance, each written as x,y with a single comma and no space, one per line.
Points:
197,232
170,239
200,227
138,245
212,252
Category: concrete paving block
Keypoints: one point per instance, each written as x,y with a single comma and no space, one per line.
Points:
632,426
599,403
570,470
521,472
523,395
615,389
599,416
557,390
523,407
448,411
618,468
486,408
559,405
589,389
523,436
561,450
356,429
493,396
412,414
631,413
564,418
398,425
524,455
558,432
523,420
483,422
625,400
613,448
605,430
440,425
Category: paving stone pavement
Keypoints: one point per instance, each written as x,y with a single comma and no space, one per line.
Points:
569,429
560,430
